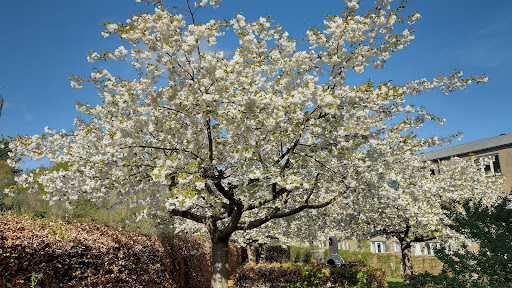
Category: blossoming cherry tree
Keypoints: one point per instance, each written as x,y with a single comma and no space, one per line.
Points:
222,142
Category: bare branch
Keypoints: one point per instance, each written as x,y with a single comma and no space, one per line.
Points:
1,104
288,151
312,188
227,194
265,200
233,223
210,140
282,214
171,109
189,215
318,161
423,238
252,181
291,150
164,149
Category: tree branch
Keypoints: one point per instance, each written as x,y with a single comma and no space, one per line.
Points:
171,109
312,188
252,181
318,161
233,223
227,194
164,149
296,142
288,151
210,141
189,215
273,196
258,222
423,238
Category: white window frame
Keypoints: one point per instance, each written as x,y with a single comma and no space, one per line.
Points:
375,247
430,247
417,249
398,247
491,165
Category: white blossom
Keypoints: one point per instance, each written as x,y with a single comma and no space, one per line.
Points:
75,85
249,137
121,52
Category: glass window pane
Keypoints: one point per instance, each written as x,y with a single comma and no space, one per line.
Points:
496,164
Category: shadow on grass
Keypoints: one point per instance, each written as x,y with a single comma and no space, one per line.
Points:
395,282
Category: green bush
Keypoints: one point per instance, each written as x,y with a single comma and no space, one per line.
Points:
388,262
84,210
308,276
300,254
491,265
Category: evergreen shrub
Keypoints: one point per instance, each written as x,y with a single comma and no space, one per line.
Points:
301,254
293,275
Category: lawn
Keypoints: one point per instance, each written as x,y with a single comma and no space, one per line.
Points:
395,282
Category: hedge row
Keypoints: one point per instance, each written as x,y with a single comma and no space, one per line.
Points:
390,263
308,276
276,254
36,252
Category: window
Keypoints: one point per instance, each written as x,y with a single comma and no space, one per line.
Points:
417,249
378,247
430,247
491,166
398,248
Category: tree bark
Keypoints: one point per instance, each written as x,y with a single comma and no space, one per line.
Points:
406,248
253,253
219,263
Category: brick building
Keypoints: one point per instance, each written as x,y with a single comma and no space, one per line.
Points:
500,147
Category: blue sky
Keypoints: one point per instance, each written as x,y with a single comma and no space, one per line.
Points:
44,42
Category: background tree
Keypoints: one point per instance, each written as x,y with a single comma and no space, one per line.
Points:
80,209
491,264
225,142
7,173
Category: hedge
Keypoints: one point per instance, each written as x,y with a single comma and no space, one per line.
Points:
308,276
301,254
56,254
390,263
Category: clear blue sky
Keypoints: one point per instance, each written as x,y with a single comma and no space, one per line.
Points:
44,42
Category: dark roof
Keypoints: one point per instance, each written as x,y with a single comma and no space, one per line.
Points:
471,147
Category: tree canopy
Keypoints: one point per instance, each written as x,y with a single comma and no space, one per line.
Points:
228,141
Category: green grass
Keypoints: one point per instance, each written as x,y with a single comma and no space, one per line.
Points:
395,282
399,283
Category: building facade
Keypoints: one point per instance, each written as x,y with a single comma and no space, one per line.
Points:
382,244
499,147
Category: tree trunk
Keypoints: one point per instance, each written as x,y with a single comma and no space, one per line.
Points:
406,247
220,251
253,253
